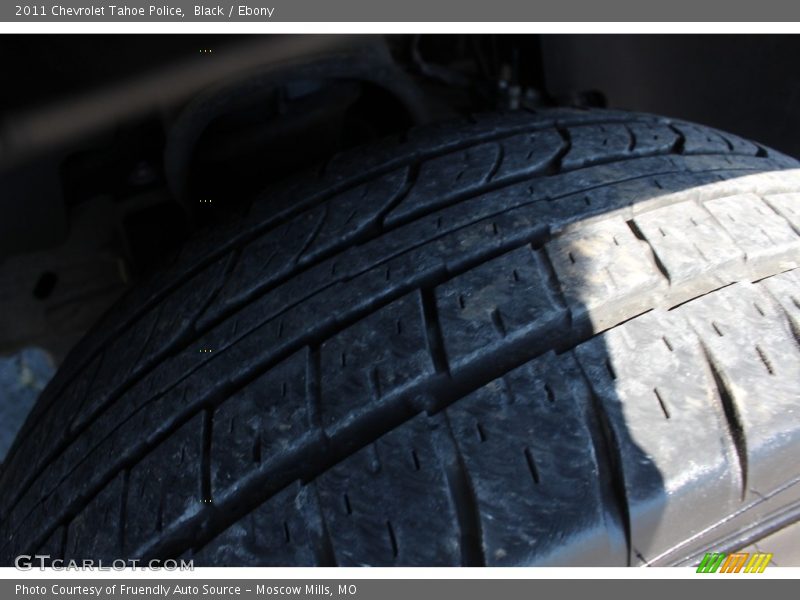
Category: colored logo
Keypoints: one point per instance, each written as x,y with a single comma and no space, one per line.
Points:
719,562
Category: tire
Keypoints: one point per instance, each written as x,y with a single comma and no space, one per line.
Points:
562,338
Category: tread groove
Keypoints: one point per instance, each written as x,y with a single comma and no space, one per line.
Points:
325,555
609,460
653,254
531,465
498,162
433,330
123,509
463,498
733,420
205,461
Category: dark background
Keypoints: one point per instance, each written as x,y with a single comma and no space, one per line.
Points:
747,84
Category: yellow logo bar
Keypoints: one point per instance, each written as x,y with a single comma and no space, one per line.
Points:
758,562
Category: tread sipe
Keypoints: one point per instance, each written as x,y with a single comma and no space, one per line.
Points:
566,338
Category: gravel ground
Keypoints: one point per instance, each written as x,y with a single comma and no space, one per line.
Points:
22,377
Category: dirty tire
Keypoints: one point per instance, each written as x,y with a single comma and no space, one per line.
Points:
558,338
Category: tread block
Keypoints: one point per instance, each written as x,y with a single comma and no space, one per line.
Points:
672,490
95,532
389,503
605,273
372,360
265,259
624,188
742,146
351,212
165,485
593,143
650,138
279,533
613,141
757,364
112,440
53,547
607,186
502,300
787,206
696,252
530,458
702,140
174,318
767,239
261,423
286,312
122,343
51,429
785,290
445,175
528,153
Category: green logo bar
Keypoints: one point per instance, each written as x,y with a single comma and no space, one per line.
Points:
711,562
